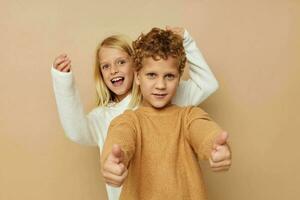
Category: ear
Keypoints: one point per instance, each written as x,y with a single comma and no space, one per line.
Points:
137,78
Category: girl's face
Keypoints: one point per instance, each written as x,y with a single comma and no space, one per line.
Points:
117,71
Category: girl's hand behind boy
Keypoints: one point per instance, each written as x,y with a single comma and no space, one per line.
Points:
113,169
176,30
62,63
221,155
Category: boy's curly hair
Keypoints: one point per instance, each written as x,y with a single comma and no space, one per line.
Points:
159,44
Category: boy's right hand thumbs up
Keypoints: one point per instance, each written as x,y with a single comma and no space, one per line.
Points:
114,170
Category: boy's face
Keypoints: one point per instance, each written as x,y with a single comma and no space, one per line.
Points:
158,81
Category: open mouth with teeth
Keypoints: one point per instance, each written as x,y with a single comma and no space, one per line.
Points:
117,81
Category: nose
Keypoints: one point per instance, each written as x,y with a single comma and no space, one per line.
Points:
114,69
160,84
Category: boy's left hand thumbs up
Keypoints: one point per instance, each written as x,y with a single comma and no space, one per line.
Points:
221,155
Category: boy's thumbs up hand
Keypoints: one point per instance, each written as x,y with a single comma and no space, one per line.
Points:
117,155
221,138
221,155
114,170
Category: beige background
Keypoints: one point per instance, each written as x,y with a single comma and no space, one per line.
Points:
252,46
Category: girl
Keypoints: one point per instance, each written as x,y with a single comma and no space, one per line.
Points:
115,88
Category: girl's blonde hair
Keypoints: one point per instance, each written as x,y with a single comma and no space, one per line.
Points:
104,95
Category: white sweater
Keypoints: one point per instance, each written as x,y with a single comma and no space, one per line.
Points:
92,129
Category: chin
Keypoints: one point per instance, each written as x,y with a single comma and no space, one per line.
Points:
120,91
159,105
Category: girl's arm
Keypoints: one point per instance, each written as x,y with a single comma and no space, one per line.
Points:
76,124
202,82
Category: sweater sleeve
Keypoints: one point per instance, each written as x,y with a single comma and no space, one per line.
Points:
75,123
202,131
122,132
202,82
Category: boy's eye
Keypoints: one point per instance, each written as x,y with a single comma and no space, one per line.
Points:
170,76
151,75
121,62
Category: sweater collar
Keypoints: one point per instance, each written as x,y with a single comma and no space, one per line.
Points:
167,110
121,104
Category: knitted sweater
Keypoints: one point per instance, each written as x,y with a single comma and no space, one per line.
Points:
91,129
161,149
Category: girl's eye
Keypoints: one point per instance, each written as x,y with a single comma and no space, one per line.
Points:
151,75
105,66
170,76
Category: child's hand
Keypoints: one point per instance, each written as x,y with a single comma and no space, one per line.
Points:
176,30
221,155
113,169
62,63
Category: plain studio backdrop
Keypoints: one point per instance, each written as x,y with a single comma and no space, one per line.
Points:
252,46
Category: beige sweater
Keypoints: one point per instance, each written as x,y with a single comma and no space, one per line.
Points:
162,148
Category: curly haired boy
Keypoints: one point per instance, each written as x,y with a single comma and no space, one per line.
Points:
161,143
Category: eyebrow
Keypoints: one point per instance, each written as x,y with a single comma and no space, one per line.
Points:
101,63
115,59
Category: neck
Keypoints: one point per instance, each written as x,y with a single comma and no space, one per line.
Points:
147,104
166,110
121,97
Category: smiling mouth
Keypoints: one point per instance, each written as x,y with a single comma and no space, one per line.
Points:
159,95
117,81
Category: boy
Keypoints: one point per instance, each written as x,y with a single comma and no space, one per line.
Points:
161,142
